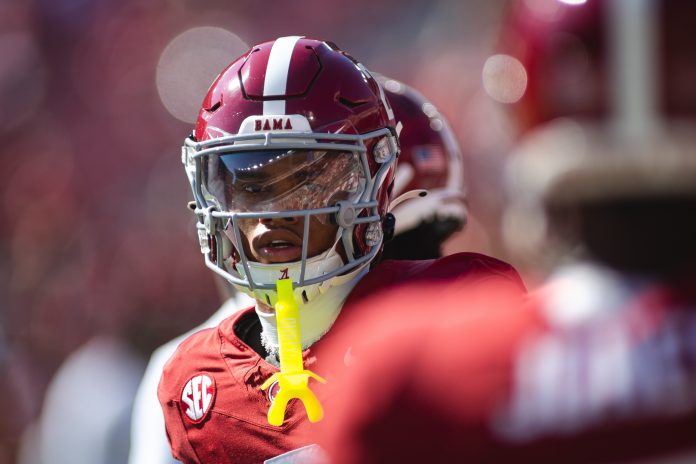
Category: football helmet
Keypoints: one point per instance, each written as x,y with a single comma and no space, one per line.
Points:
606,111
430,160
296,130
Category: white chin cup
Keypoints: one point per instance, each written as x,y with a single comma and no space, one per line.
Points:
317,316
316,266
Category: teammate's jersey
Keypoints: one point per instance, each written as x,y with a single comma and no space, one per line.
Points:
148,442
214,409
595,367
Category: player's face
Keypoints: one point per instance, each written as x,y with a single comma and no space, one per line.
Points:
279,240
284,181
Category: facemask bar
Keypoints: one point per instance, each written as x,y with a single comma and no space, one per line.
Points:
212,221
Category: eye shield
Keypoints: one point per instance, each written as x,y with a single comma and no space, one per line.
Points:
283,180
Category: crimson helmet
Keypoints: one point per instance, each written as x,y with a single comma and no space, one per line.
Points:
430,160
313,115
602,92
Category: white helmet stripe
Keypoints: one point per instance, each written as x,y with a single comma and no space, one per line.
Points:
277,74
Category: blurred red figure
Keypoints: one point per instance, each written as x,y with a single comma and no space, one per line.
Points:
609,379
291,165
431,160
598,365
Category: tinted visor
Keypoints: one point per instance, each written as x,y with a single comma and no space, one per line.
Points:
283,180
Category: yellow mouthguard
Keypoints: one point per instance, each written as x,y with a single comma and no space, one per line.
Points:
292,378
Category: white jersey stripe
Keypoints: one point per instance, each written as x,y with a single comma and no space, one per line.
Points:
277,74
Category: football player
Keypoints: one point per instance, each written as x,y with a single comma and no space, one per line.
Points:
291,166
430,159
599,365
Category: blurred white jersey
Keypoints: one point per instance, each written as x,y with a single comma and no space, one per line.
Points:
87,407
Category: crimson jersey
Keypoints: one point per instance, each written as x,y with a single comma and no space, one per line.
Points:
214,409
593,368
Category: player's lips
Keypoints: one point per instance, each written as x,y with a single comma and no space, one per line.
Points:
278,246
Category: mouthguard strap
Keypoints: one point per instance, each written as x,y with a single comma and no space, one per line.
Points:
293,378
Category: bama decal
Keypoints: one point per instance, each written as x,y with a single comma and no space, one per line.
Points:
197,397
272,124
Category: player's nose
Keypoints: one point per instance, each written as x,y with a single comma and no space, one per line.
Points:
279,221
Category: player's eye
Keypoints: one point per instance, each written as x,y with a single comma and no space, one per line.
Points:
253,188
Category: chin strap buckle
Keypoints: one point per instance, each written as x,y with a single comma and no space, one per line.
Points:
203,238
207,228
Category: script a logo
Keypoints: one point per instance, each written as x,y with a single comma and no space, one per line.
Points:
197,397
284,273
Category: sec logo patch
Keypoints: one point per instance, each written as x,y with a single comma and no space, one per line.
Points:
197,397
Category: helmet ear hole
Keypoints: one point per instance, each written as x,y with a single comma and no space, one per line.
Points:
389,227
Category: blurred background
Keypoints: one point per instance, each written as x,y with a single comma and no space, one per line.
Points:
96,244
